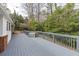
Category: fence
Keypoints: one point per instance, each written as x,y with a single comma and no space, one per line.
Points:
71,42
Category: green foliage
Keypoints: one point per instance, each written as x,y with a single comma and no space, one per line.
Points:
34,25
62,20
17,19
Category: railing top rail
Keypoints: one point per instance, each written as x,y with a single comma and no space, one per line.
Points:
64,35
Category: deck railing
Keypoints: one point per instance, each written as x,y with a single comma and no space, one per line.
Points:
71,42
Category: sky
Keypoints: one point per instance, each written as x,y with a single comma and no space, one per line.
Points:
17,7
13,4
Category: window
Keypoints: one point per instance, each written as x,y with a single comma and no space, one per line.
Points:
8,26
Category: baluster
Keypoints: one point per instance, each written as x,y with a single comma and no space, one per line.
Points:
69,43
65,42
75,44
72,42
53,38
61,40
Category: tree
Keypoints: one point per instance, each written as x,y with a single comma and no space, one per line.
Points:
29,8
35,26
50,8
17,19
61,20
34,10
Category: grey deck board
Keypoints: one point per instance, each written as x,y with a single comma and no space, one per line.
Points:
22,45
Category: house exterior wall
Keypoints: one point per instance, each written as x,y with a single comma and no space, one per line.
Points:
1,26
9,36
5,34
5,31
4,26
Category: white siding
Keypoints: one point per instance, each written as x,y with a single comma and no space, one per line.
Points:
4,26
5,31
9,35
1,30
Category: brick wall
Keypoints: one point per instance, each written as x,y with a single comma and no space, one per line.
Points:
3,43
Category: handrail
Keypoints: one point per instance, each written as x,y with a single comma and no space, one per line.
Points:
69,41
65,35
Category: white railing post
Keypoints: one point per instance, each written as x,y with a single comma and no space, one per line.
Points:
53,39
77,43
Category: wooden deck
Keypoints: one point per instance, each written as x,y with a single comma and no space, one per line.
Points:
23,45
